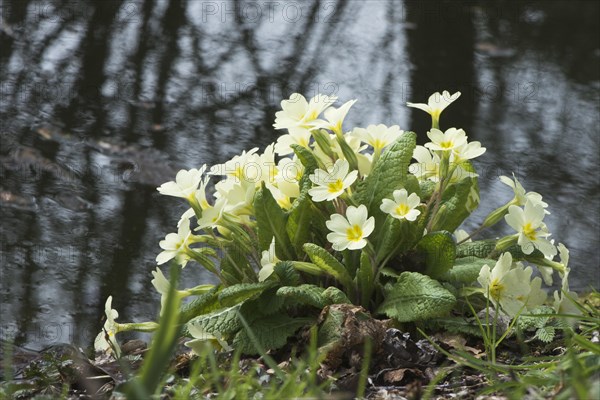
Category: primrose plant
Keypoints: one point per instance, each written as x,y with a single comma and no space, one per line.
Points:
330,215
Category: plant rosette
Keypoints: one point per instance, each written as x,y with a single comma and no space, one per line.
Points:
333,214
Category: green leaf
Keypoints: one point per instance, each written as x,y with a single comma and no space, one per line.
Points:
455,325
271,332
466,269
328,264
397,236
304,294
236,294
271,221
389,173
416,297
485,248
365,280
333,295
427,188
202,304
235,267
224,321
287,274
545,334
302,215
477,249
439,251
458,202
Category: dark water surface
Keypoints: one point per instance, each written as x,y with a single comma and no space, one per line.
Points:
103,101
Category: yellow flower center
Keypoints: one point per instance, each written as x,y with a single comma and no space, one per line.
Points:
496,289
402,209
447,144
335,186
239,172
354,233
378,144
529,232
303,142
312,116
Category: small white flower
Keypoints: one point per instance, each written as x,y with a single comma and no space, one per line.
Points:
297,112
521,196
350,232
282,199
243,167
436,103
267,262
185,184
427,167
403,206
562,303
378,136
238,195
175,245
162,286
297,136
333,182
467,151
528,222
335,117
505,286
445,141
289,173
110,329
212,215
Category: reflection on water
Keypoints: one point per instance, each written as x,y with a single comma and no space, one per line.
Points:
103,101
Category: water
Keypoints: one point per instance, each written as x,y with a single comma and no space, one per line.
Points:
103,101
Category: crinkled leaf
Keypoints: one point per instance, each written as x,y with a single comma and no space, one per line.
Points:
439,252
485,249
466,269
416,297
202,304
240,292
271,332
224,321
304,294
333,295
287,274
271,221
328,264
389,173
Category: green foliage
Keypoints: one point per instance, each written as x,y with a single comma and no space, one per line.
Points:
222,322
415,297
271,332
302,215
236,294
398,236
272,221
466,270
304,294
439,251
390,173
458,202
328,264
